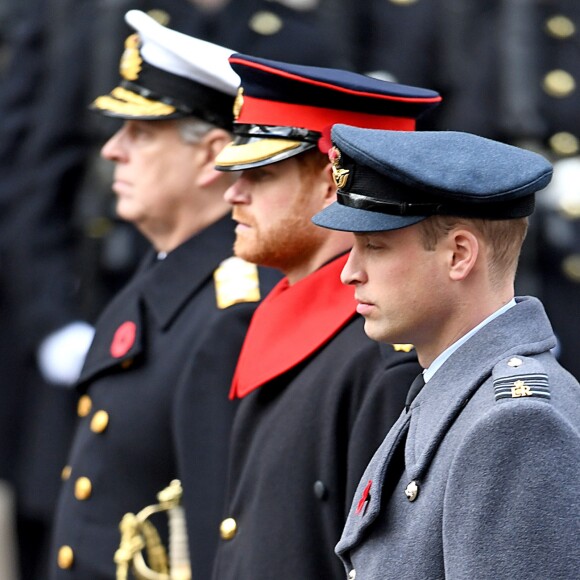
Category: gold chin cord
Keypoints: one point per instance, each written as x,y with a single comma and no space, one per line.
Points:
138,534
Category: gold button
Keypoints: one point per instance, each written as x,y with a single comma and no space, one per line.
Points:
515,362
65,558
571,267
98,227
564,143
403,2
100,421
65,473
570,206
84,406
127,363
160,16
412,491
560,26
83,488
266,23
228,528
559,83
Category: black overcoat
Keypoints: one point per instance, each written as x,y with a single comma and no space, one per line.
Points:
299,446
148,343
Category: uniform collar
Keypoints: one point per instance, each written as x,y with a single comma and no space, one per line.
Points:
173,280
164,286
438,362
523,329
291,324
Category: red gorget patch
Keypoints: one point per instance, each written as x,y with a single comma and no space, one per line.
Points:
291,324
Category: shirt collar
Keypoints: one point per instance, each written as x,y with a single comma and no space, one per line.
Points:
438,362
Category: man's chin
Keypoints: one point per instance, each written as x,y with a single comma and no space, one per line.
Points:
241,250
123,211
375,333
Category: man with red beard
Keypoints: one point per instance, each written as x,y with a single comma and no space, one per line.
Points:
316,396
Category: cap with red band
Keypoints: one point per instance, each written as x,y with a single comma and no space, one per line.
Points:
284,109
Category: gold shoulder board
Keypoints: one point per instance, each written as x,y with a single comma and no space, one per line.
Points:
403,347
236,281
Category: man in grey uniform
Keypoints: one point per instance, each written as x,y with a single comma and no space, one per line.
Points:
479,476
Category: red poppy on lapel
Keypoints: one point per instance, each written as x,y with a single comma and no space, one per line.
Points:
364,497
123,339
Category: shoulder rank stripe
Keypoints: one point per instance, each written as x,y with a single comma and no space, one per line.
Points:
518,386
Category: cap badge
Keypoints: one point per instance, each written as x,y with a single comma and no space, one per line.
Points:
131,61
339,175
123,339
238,103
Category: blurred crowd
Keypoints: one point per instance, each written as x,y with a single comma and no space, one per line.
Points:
507,69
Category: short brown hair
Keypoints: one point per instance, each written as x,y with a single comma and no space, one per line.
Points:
504,239
312,161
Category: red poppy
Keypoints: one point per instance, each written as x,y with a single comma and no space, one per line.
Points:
364,497
123,339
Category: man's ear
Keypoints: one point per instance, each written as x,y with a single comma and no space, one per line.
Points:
209,147
330,195
464,249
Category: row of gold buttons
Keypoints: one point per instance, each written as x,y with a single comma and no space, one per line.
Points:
560,84
83,486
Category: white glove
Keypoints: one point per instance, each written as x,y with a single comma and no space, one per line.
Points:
61,355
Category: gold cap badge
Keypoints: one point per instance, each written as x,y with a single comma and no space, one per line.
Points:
131,61
339,175
238,103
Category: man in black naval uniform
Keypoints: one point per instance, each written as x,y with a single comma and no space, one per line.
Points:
316,396
177,327
472,480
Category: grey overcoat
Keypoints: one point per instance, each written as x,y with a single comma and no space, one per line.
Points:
488,486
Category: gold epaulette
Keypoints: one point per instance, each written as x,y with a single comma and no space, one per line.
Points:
403,347
236,281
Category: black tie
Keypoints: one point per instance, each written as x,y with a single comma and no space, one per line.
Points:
414,389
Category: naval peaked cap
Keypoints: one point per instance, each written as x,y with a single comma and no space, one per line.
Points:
167,75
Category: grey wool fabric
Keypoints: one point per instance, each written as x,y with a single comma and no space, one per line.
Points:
492,446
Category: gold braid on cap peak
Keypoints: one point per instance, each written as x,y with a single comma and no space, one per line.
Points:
127,102
130,65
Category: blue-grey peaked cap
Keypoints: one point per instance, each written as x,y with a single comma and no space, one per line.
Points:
392,179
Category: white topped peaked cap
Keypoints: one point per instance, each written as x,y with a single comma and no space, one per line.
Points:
167,74
184,55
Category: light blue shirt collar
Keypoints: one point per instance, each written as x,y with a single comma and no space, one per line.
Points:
438,362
